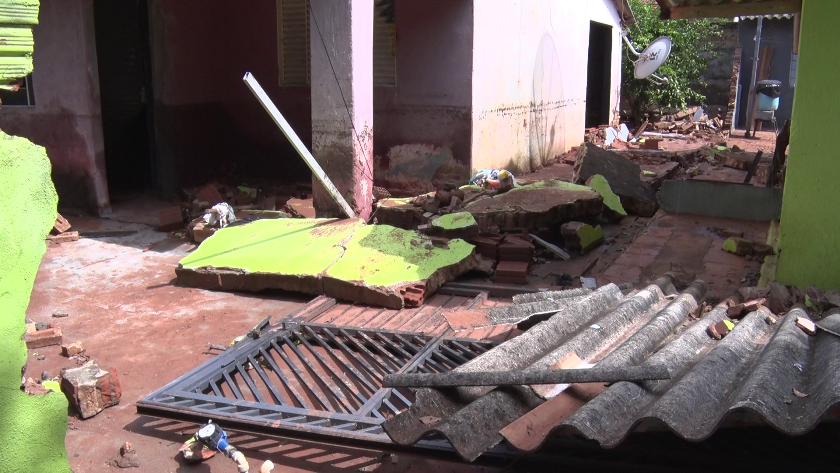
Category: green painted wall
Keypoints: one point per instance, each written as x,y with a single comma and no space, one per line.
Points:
32,428
810,225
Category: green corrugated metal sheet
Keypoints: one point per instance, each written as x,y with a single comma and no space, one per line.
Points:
17,17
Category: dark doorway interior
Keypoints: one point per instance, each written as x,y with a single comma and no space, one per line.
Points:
122,48
598,72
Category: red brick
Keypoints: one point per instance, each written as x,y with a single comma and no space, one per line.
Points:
61,224
209,194
64,237
72,349
43,338
170,219
512,269
659,232
90,389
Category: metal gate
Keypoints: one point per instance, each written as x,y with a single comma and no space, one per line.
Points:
310,379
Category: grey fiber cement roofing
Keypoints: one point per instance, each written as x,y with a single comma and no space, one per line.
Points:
754,370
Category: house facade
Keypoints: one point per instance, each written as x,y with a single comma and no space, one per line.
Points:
136,96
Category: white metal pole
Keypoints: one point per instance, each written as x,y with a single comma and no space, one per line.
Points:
751,99
304,153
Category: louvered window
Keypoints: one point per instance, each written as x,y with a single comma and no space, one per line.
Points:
293,41
293,45
384,52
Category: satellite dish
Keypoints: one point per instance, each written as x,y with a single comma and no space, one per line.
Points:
651,59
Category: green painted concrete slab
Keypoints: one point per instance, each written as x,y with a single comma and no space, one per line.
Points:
346,259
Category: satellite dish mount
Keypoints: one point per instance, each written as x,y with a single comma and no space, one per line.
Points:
651,59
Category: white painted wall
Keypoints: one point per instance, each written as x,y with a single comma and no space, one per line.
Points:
529,78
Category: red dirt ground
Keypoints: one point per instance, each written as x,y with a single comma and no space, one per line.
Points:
125,309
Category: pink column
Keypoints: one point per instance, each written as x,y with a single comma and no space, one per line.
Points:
341,45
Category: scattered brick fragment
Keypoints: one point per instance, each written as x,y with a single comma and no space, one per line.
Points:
72,349
64,237
90,389
43,338
807,325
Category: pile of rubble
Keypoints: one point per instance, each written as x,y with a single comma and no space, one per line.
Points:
214,206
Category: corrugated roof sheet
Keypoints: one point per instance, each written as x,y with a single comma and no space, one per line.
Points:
753,372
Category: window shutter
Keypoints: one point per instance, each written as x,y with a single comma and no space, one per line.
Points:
293,41
384,51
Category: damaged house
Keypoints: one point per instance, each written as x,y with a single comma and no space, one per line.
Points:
140,96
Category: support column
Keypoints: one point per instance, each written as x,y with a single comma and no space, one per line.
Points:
341,46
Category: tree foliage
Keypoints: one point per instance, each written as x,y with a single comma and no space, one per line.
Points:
690,54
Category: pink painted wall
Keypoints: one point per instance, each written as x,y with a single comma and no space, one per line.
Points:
529,78
424,121
207,121
66,118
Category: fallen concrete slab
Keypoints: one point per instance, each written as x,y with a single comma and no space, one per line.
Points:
622,175
370,264
542,204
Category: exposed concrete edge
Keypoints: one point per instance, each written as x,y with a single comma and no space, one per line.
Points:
722,199
232,279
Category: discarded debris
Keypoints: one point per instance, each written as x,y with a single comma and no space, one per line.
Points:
798,393
171,218
554,249
807,325
72,349
60,314
128,457
720,329
622,175
90,389
613,210
43,338
582,236
744,247
455,225
61,225
64,237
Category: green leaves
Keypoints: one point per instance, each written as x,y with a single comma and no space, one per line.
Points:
690,54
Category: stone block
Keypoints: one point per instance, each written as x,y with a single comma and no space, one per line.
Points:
90,389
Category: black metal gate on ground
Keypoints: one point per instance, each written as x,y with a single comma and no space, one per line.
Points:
314,379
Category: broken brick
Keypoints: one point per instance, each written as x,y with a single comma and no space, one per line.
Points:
413,295
720,329
170,218
807,325
582,236
64,237
43,338
90,389
744,247
61,225
72,349
209,194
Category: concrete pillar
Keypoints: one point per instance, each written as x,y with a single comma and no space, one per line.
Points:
342,109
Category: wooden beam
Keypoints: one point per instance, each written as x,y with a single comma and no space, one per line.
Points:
732,10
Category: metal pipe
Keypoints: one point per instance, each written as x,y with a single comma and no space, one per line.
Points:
751,98
304,153
513,378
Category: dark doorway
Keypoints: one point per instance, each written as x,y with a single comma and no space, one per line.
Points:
122,49
598,75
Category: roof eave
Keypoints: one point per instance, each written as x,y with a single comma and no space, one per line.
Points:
672,11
